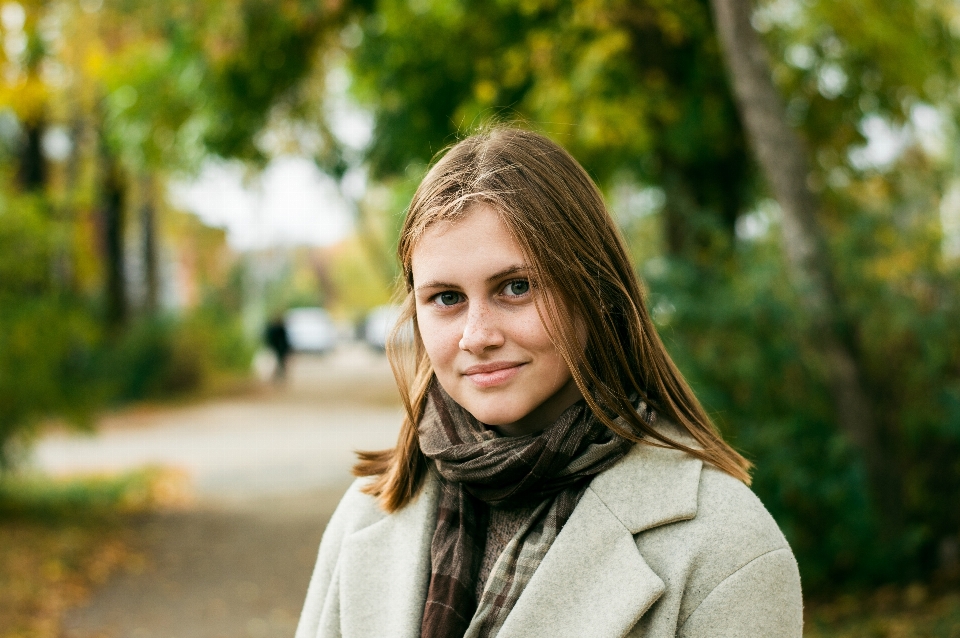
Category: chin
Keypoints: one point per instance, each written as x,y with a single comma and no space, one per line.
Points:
494,413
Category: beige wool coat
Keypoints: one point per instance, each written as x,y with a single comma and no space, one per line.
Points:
660,545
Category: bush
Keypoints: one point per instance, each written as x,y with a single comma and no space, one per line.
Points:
98,498
45,347
173,357
46,335
55,357
738,335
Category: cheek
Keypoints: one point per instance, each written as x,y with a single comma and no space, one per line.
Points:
529,331
439,340
533,335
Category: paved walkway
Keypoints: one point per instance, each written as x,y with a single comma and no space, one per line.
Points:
266,471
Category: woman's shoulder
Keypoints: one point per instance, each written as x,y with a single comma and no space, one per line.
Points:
676,486
654,486
733,551
703,532
698,527
693,511
730,517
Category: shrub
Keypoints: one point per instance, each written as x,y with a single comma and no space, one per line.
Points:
738,334
173,357
55,357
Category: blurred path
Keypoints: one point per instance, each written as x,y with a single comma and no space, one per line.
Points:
266,470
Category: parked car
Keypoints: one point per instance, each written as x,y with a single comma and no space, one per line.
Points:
310,330
379,323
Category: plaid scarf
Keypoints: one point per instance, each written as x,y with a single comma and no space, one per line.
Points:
548,471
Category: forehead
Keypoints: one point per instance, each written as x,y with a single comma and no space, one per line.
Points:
475,244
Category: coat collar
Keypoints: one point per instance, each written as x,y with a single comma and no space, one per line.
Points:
595,556
385,571
650,486
385,568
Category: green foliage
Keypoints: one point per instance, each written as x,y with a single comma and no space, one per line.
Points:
143,90
739,336
625,86
54,361
736,339
56,358
275,50
153,109
45,335
168,357
53,501
913,612
44,363
188,79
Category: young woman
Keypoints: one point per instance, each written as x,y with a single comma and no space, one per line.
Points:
555,476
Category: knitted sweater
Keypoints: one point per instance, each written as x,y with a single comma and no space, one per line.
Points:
504,525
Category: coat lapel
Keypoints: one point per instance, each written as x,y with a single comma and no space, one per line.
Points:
385,571
593,580
651,486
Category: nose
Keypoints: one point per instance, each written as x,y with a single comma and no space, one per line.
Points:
480,331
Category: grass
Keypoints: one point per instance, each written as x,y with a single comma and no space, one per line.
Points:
59,539
889,612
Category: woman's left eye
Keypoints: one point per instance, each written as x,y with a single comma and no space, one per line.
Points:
517,288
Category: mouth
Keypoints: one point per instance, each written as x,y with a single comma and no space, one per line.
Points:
487,375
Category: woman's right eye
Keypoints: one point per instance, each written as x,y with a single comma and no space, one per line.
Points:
448,298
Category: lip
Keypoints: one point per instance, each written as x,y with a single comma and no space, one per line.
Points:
487,375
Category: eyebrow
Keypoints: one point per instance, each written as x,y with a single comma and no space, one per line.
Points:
506,272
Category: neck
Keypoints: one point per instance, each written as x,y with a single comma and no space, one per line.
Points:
544,414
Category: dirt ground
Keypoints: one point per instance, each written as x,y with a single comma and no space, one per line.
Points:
213,573
265,472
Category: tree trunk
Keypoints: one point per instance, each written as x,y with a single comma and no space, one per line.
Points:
679,214
114,229
783,158
148,238
32,165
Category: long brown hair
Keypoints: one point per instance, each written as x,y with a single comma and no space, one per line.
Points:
557,215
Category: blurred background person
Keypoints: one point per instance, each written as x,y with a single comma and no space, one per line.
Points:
276,338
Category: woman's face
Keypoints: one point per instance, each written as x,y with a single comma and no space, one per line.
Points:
477,314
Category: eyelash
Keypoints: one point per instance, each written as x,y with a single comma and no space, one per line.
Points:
436,298
516,281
